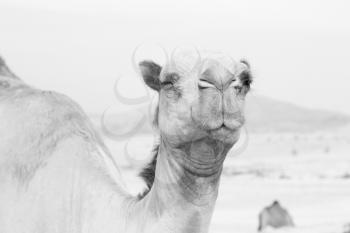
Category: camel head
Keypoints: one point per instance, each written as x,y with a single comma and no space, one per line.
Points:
199,116
201,100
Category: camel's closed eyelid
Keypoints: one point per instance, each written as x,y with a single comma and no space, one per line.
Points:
205,84
233,82
166,84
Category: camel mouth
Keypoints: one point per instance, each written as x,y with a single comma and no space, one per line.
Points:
225,133
225,127
221,126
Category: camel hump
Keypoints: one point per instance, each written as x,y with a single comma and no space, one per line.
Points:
5,70
36,122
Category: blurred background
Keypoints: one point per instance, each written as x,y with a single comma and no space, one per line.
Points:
296,144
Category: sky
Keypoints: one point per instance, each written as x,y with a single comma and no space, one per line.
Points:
299,50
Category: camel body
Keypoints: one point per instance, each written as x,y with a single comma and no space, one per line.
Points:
56,175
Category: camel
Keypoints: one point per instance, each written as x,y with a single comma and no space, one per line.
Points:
57,175
346,228
275,216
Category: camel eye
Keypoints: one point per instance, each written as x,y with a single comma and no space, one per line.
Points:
170,80
203,84
167,84
238,89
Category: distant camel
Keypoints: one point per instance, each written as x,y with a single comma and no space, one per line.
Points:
346,228
275,216
57,176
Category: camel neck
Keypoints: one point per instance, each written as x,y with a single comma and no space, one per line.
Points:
185,188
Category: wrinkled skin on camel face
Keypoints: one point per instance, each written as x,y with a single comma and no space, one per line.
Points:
202,101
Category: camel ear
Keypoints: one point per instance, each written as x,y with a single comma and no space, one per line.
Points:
246,75
150,72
